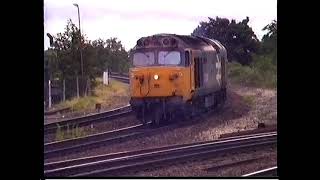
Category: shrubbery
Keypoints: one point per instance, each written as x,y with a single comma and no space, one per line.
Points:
262,73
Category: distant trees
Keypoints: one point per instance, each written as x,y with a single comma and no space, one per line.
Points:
63,61
269,41
239,39
258,59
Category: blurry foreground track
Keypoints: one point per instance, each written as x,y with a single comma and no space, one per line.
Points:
111,164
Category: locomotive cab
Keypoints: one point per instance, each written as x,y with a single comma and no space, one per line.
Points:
159,73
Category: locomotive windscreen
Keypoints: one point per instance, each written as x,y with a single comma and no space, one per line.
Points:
143,58
161,58
169,57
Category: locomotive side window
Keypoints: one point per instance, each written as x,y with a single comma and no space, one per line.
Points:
143,59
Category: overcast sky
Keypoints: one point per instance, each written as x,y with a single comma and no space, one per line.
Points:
128,20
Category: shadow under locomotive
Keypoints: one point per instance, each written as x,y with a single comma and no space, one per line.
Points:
234,107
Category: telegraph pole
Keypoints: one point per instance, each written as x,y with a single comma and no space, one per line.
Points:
80,39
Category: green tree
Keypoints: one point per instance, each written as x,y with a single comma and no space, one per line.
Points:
117,58
269,41
67,64
62,61
238,38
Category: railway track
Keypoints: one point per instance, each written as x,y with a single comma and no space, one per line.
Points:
59,148
87,120
110,164
232,164
56,111
122,78
263,173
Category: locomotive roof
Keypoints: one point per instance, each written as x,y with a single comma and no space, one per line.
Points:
186,39
198,42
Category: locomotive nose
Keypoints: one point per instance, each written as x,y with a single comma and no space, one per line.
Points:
155,82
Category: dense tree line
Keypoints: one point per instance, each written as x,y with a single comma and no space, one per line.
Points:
238,37
255,62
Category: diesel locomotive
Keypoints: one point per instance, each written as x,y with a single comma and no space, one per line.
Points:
176,76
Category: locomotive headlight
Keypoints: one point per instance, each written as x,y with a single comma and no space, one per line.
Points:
156,77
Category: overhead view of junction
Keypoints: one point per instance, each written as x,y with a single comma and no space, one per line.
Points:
159,89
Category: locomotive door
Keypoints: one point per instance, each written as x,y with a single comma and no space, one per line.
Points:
197,66
223,72
188,64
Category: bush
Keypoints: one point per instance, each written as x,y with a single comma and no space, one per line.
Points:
262,73
249,100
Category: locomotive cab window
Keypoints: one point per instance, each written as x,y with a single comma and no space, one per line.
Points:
169,58
143,58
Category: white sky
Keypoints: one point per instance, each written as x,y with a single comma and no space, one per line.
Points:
128,20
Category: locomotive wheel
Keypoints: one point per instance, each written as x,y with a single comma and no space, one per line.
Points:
222,99
143,116
139,113
187,115
156,116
